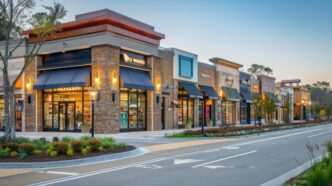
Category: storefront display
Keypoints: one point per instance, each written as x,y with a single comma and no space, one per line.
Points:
18,113
132,109
67,109
228,112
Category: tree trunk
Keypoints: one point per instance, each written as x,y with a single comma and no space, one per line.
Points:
12,115
6,122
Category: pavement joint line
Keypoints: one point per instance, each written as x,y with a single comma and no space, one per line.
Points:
312,136
226,158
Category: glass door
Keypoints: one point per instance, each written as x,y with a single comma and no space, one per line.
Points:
66,112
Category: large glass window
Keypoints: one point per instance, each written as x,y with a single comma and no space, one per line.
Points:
228,112
18,113
132,109
67,109
185,67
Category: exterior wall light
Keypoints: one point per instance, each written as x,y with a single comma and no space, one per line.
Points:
28,86
220,93
97,79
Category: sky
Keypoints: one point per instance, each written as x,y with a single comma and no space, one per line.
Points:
293,37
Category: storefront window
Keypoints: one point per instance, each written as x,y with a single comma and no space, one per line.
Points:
186,111
67,109
229,112
18,113
132,109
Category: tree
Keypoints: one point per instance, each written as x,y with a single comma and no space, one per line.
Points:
15,14
256,69
258,106
268,70
317,110
270,108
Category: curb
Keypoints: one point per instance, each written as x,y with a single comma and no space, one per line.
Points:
74,163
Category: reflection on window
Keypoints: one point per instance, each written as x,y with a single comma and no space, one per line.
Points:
185,67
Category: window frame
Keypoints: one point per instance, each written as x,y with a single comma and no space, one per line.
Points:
192,66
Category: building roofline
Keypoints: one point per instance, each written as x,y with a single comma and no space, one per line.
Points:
225,61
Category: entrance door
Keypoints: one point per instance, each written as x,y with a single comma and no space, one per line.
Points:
66,116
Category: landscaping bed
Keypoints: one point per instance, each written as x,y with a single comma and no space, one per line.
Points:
26,150
320,174
241,130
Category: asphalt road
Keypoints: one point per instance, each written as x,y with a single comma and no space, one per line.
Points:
251,160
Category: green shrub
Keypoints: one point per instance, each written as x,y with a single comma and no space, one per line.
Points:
101,149
67,139
49,150
94,144
43,140
70,152
77,145
41,144
107,143
122,145
329,171
3,153
53,153
55,139
11,145
37,152
60,147
23,155
85,151
85,138
7,150
317,177
22,140
26,147
13,154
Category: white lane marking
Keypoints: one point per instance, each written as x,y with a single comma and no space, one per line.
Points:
149,166
312,136
274,138
230,148
222,159
62,173
219,167
92,173
184,161
102,171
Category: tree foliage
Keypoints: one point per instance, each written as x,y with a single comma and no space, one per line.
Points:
256,69
16,15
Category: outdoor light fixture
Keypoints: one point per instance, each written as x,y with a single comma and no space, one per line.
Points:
97,79
220,93
29,84
94,97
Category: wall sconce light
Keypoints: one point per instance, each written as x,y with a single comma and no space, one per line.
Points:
28,86
220,93
114,79
158,84
302,102
309,102
97,79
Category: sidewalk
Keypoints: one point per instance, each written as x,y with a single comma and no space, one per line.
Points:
119,136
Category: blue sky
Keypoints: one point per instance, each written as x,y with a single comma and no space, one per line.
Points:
293,37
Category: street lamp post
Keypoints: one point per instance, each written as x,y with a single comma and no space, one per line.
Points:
93,95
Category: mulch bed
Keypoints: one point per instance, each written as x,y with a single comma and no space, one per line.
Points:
46,158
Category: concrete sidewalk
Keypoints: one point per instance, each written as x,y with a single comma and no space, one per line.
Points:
119,136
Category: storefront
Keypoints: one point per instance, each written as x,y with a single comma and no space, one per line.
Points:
207,106
246,101
187,94
277,102
65,83
229,105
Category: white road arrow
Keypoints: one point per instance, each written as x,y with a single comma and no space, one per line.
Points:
218,167
183,161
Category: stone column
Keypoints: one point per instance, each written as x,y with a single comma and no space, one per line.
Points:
32,99
105,67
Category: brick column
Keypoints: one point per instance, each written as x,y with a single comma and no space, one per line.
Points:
32,99
105,66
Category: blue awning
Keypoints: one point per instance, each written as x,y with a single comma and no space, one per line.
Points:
136,79
209,92
74,77
192,90
273,97
231,94
246,95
